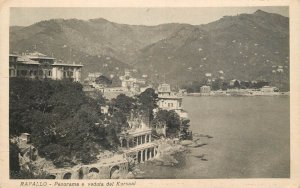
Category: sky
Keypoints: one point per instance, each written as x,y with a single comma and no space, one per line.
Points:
135,16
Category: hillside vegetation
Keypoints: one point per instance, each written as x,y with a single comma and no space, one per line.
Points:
244,47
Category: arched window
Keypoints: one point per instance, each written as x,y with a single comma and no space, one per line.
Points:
113,169
67,175
94,170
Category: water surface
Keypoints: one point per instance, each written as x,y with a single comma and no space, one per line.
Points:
250,139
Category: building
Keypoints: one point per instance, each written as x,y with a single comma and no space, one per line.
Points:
66,71
92,76
168,100
268,89
39,66
104,109
24,137
137,141
103,169
205,90
130,83
232,82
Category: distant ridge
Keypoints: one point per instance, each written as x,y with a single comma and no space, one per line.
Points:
246,46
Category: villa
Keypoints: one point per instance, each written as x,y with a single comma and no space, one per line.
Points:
39,66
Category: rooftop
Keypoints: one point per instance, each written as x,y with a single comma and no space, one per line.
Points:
13,55
66,64
141,147
38,55
172,96
27,60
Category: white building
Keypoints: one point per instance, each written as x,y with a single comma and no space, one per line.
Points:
70,71
205,90
40,66
92,76
131,83
267,89
137,141
168,100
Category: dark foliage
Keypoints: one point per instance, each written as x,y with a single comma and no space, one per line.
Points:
103,80
147,101
170,118
65,125
14,165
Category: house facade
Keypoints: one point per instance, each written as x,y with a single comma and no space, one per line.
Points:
39,66
137,141
168,100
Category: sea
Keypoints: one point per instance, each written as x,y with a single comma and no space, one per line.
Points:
244,137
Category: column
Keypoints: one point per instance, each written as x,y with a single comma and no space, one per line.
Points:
150,153
135,140
142,156
146,155
149,137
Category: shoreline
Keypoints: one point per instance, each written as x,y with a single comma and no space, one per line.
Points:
236,95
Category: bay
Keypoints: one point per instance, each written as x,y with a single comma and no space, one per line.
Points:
250,139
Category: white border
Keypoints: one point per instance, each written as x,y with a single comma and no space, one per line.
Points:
294,8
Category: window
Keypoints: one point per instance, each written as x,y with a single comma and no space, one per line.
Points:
23,72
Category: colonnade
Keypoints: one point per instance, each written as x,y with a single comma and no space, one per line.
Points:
142,139
144,154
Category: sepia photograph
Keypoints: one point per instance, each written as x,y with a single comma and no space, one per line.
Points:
149,93
115,95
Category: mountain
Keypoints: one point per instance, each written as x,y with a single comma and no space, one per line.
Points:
99,44
245,46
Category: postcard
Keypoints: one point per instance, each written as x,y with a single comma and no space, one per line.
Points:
150,94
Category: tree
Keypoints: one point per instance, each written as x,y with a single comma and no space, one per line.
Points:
236,84
65,125
170,118
217,84
124,103
245,84
14,151
103,80
225,86
194,86
147,101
